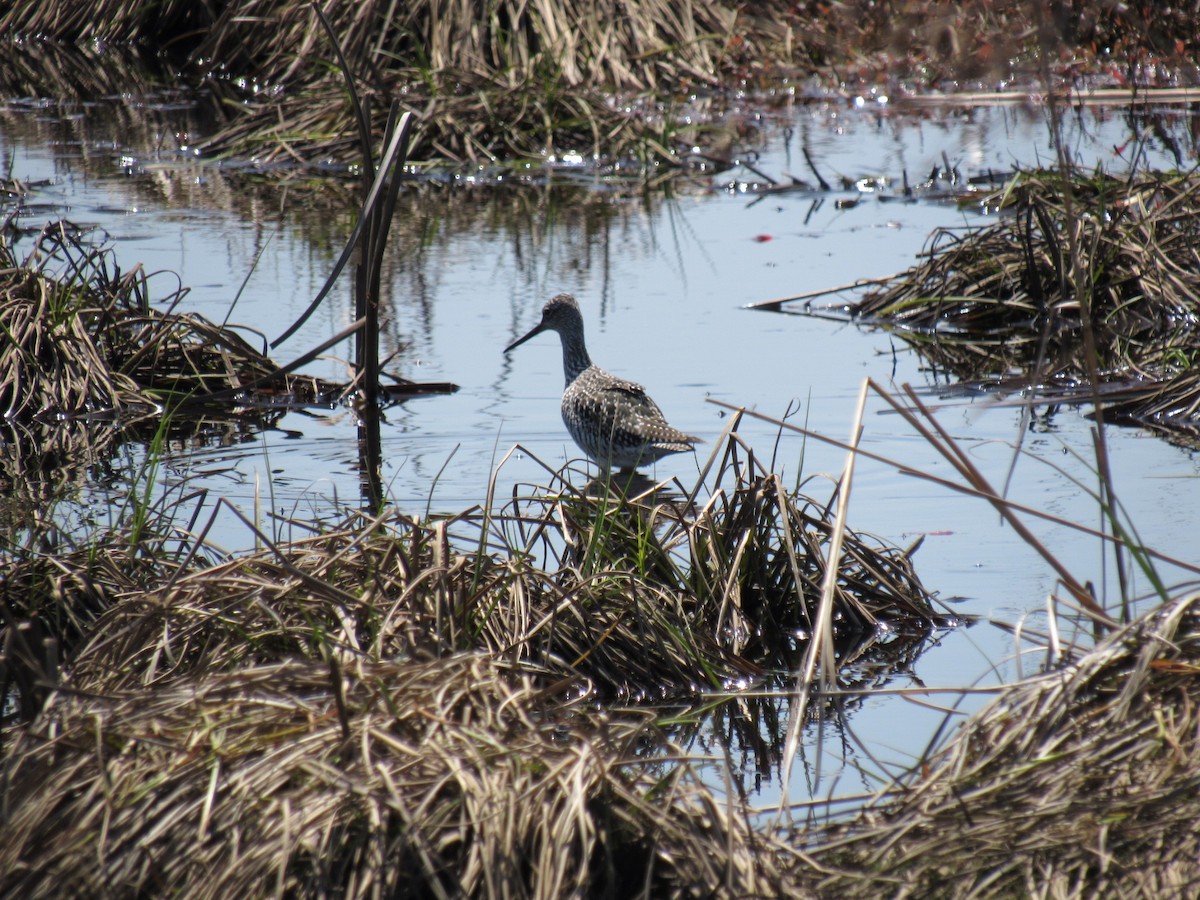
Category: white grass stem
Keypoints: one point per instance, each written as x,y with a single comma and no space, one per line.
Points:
820,645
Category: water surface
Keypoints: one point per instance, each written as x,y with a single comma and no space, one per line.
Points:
663,277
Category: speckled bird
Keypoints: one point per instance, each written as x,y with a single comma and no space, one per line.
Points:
612,420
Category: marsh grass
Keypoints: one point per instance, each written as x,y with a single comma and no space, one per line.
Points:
622,597
84,340
1075,302
50,363
607,79
506,80
437,777
1075,781
1009,281
1080,781
412,705
750,560
55,586
359,786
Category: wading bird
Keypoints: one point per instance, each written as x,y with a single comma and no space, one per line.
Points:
612,420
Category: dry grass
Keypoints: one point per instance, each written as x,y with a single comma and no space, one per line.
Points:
51,364
622,598
1003,286
1078,782
87,341
437,777
996,304
1082,782
515,79
410,707
384,708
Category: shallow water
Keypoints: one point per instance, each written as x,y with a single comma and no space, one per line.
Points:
663,279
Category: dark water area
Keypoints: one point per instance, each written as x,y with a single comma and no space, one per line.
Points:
663,274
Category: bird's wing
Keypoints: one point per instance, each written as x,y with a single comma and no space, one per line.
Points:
641,415
632,394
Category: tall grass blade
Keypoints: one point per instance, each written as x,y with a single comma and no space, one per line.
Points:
820,650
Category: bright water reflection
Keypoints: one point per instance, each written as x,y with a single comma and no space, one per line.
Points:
662,278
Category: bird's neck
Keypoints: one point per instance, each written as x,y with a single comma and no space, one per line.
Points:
575,356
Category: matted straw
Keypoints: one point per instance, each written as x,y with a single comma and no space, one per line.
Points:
1081,782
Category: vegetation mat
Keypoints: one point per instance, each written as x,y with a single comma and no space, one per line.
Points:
1082,277
451,708
408,778
1082,782
605,78
85,340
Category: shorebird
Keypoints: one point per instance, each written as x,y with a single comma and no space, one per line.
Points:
612,420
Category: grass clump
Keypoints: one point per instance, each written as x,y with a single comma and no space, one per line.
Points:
738,579
1010,303
621,597
445,777
1005,285
51,365
1080,782
86,341
405,706
54,593
510,80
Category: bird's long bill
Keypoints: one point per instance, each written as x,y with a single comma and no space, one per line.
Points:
537,329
